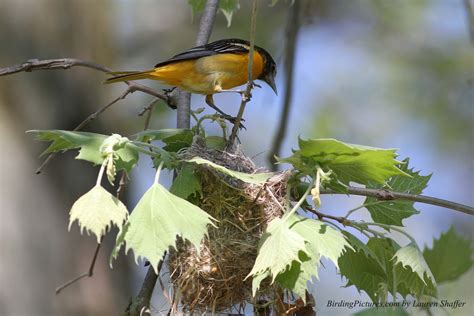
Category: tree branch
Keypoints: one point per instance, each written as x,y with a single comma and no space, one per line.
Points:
67,63
292,28
204,32
387,195
250,84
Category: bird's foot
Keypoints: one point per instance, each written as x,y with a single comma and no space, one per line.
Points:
169,91
231,119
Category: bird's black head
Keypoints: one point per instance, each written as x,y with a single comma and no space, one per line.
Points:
269,68
238,46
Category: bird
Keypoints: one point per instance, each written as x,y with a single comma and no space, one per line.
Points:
209,69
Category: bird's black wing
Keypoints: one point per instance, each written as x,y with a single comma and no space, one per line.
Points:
233,46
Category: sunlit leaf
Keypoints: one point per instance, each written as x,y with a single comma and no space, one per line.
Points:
89,145
349,163
96,210
228,7
279,246
255,178
411,256
158,219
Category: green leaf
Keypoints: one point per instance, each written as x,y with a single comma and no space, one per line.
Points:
255,178
325,240
411,256
393,212
378,277
228,7
300,272
187,183
257,279
158,219
89,145
118,243
450,257
364,272
174,138
96,210
197,5
215,142
160,134
279,246
358,245
350,163
321,241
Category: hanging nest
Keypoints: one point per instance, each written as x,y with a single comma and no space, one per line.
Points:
213,280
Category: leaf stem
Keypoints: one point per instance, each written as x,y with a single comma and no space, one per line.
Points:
158,171
101,173
300,201
361,207
391,227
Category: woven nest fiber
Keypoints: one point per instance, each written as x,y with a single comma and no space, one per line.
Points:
213,280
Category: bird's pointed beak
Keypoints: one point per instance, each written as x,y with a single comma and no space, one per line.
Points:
270,80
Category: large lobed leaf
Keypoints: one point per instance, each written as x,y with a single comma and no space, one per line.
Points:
348,162
450,257
187,183
96,210
89,145
410,256
291,250
393,212
279,247
386,274
157,220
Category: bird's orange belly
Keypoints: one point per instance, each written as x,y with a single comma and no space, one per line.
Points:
208,75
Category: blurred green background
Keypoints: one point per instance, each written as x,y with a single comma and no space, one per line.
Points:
394,74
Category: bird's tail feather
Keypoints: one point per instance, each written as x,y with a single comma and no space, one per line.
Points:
119,76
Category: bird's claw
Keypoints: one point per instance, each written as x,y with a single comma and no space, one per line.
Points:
169,91
232,119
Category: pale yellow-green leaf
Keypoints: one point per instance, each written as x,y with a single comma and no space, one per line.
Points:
96,210
411,256
325,240
158,219
279,248
254,178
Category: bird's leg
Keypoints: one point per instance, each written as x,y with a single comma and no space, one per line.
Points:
210,102
169,91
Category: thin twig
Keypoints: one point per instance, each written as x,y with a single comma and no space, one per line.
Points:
292,28
248,90
67,63
89,119
86,274
204,33
387,195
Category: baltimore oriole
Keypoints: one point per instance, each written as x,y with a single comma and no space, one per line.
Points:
209,69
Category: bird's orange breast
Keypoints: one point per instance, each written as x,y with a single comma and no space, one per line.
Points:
209,74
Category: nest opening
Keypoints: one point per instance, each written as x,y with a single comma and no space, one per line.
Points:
213,280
